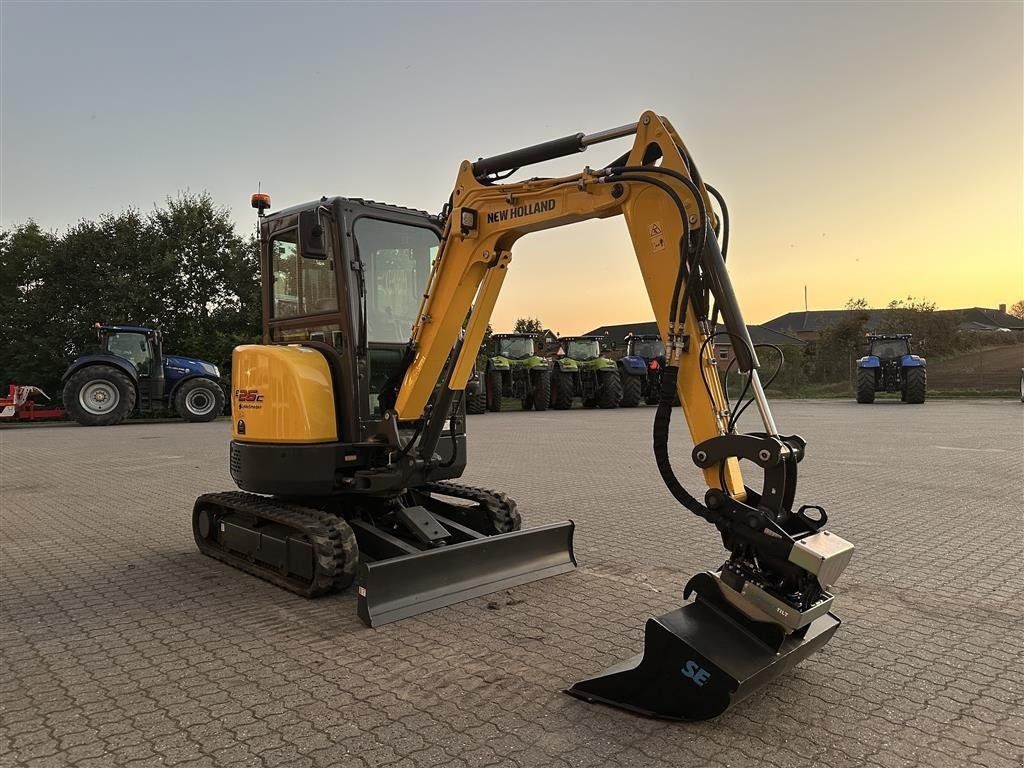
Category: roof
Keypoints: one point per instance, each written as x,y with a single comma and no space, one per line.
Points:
993,318
127,328
759,334
293,209
817,320
620,332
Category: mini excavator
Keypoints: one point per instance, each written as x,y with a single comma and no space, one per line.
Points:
349,420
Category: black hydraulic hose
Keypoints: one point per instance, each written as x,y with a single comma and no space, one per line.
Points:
703,219
684,243
688,183
725,238
725,218
451,434
683,251
778,368
662,418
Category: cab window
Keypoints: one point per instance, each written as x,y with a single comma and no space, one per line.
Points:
301,286
397,260
131,346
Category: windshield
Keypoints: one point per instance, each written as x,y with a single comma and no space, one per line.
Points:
583,349
890,348
397,259
515,349
646,348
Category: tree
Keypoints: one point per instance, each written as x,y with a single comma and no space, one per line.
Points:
528,325
1017,310
181,267
935,333
836,349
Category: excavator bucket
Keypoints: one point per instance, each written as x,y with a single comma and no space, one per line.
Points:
701,659
404,586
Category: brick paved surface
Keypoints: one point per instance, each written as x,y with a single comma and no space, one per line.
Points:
121,645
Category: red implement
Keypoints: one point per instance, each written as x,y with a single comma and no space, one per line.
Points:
18,405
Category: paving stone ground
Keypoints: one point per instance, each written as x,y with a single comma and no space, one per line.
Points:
121,646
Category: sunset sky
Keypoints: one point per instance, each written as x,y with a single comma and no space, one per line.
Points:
866,149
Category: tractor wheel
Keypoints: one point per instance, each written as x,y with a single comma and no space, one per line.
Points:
542,391
563,390
199,400
494,390
476,403
653,396
609,391
631,387
917,383
865,385
99,396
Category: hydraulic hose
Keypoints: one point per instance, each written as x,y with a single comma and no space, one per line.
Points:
684,251
663,415
623,173
725,239
662,419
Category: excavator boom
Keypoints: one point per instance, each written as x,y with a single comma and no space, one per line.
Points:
767,607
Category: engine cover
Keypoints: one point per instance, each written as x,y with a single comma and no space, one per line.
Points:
281,394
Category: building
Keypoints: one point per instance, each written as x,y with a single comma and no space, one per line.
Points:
809,325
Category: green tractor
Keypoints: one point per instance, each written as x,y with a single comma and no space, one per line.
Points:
516,370
584,372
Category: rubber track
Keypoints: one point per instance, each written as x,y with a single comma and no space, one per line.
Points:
334,543
502,512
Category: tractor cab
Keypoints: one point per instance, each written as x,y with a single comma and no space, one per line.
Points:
581,348
648,347
138,345
514,346
888,348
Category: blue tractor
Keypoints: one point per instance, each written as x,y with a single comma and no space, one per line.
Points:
640,369
889,366
130,371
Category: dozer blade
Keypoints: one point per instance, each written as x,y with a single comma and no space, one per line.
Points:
405,586
698,661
